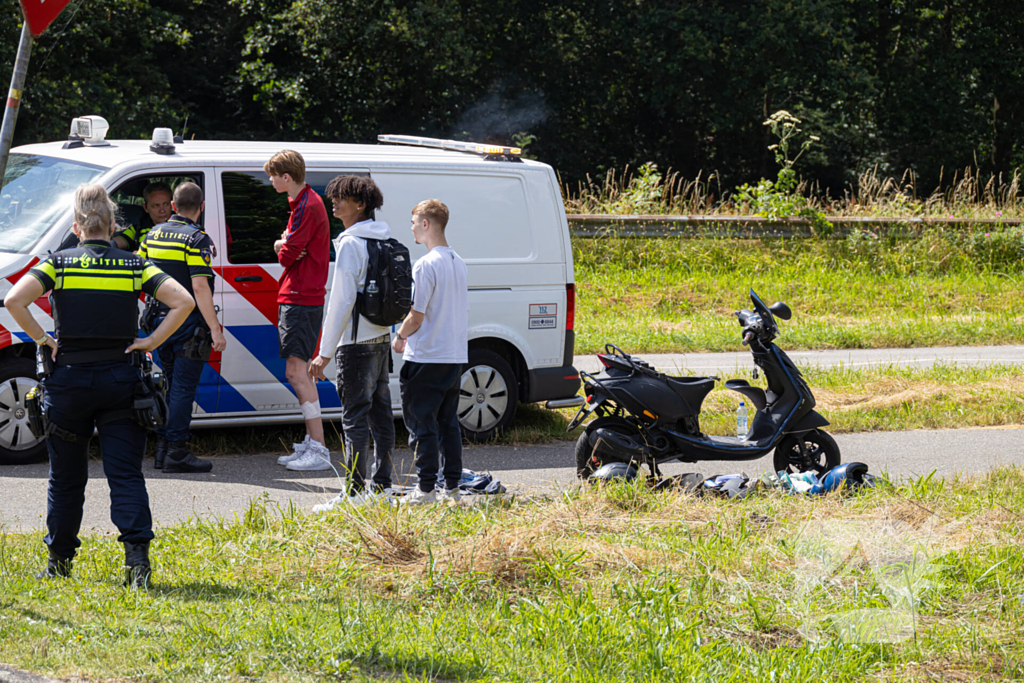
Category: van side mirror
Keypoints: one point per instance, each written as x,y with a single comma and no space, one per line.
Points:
781,310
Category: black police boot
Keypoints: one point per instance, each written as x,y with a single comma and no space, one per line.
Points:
160,454
179,459
57,567
136,565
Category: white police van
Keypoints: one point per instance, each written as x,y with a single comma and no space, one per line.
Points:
507,222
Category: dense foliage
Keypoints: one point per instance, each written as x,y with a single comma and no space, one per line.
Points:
589,85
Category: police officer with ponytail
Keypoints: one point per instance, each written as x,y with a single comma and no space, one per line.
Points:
96,381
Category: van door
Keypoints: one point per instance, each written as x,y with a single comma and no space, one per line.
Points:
128,195
254,216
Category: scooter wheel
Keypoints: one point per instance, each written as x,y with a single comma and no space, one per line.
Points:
585,465
822,453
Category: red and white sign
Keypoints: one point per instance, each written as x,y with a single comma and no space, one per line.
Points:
41,13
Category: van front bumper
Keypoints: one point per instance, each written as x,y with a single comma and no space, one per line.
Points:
557,386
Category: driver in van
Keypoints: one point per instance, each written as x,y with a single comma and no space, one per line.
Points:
156,205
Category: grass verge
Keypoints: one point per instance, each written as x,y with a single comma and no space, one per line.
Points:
922,580
676,295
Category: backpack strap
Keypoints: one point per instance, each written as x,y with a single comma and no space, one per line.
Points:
366,283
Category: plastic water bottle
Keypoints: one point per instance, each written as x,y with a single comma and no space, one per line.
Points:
371,288
741,420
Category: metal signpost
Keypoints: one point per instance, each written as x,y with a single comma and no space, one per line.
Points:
39,14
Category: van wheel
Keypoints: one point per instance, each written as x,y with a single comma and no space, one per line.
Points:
488,395
18,446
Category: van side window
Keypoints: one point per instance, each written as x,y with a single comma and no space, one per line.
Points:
256,215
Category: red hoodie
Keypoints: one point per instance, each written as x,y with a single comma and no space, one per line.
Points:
304,282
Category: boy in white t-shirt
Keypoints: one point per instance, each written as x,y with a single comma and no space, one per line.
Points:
434,343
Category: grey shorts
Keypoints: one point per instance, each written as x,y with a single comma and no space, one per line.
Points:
298,330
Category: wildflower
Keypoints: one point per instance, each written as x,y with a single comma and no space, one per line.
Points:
988,234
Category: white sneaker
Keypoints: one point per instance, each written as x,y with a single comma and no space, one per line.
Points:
298,450
454,495
418,497
316,458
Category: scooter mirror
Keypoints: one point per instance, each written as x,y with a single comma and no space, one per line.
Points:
780,310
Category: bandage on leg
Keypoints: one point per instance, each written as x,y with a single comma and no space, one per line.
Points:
310,410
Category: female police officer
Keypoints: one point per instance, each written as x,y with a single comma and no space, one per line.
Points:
95,310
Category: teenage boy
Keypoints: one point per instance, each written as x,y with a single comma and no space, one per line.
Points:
363,361
304,251
434,344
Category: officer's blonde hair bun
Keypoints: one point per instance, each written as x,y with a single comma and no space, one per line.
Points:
94,212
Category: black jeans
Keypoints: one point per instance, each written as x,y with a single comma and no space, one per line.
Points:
365,411
430,407
75,397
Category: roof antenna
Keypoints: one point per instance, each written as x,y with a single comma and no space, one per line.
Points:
180,139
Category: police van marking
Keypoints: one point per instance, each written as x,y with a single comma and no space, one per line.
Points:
543,316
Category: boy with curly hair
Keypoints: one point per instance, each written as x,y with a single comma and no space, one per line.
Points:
362,354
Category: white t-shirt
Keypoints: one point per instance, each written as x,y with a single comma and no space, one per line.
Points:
441,294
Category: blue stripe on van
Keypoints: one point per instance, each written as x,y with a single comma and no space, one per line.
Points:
262,342
230,401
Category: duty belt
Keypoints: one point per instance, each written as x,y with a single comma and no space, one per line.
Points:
97,356
382,339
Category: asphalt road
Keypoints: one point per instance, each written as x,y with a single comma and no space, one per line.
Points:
526,469
729,364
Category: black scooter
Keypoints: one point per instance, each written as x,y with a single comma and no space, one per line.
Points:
647,417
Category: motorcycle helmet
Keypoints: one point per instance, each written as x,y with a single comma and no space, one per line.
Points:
614,470
851,475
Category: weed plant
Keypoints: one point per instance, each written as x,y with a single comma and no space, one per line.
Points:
916,580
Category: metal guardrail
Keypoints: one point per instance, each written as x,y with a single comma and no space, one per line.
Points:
595,225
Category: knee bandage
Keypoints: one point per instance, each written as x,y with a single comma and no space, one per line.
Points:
310,410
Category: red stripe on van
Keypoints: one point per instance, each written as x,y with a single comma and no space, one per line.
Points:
5,337
262,293
13,279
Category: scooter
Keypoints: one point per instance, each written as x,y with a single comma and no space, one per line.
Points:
644,416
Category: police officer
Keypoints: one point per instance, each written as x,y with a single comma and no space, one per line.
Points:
156,206
181,249
95,289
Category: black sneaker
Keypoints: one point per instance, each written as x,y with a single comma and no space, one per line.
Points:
179,459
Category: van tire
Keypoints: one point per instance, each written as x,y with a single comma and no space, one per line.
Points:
17,376
488,395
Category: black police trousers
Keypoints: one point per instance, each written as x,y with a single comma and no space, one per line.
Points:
76,395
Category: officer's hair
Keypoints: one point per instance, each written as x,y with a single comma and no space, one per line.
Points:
359,188
156,187
287,161
433,210
94,212
188,198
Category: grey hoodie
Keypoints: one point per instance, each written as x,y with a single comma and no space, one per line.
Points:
349,275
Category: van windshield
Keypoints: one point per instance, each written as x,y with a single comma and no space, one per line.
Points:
36,192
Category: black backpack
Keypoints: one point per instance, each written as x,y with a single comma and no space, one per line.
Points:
387,291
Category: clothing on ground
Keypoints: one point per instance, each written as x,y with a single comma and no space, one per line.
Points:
441,294
304,280
349,277
366,411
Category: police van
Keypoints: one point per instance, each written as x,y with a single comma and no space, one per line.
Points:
507,222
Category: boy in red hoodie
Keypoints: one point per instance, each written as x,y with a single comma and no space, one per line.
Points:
304,251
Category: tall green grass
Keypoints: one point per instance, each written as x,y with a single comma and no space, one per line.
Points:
961,193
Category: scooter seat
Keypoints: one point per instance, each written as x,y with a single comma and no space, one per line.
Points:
692,389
